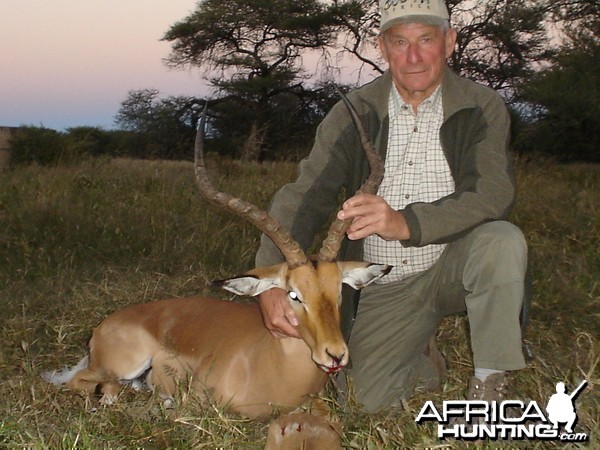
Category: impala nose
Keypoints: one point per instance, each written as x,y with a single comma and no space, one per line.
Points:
337,359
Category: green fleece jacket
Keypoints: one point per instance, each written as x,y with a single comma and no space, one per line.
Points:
474,137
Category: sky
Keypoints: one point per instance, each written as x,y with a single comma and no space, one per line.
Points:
69,63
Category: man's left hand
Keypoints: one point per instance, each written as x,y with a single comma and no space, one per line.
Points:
370,215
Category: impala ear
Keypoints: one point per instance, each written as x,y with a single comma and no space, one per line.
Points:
247,285
358,275
254,282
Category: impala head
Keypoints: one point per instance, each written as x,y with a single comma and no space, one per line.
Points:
313,285
314,291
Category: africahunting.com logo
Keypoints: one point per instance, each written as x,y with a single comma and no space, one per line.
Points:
510,419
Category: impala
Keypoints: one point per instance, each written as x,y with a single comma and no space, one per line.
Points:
222,347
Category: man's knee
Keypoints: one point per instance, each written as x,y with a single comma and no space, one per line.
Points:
502,233
499,247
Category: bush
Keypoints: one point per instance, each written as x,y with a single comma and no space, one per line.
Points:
47,147
38,145
92,141
563,111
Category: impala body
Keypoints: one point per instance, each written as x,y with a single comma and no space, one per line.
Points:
223,347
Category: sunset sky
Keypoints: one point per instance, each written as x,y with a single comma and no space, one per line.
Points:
66,63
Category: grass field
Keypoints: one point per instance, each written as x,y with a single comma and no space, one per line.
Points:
78,242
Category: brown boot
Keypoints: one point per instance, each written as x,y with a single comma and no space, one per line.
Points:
494,388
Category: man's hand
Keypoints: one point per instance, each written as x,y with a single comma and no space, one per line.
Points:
370,215
278,315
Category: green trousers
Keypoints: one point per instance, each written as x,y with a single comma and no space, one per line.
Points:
482,274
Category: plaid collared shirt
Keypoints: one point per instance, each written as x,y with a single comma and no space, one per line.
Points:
416,170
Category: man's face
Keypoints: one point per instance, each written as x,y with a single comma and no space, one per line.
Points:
416,54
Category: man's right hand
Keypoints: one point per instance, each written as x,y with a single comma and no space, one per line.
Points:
278,315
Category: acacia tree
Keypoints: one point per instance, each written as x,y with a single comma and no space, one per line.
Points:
252,50
500,41
583,14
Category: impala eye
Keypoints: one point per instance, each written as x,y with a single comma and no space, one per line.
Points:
294,296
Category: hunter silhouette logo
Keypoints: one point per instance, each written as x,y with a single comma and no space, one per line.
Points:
510,419
560,407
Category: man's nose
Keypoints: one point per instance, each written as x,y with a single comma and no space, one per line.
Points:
414,54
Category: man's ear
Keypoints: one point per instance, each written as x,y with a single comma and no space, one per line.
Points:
382,46
451,36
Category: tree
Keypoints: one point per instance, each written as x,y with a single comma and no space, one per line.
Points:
563,100
137,111
579,18
358,22
253,39
500,41
565,105
255,48
164,127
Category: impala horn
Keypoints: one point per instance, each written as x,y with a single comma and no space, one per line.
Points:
331,244
289,248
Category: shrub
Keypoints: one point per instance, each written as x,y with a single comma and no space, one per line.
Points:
37,145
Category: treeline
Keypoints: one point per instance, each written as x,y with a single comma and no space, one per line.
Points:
266,101
45,146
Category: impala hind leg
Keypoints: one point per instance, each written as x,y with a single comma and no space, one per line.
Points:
83,378
118,356
96,382
107,372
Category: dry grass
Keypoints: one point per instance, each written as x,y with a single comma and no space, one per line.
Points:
79,242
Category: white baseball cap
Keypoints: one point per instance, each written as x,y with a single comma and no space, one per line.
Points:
429,12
